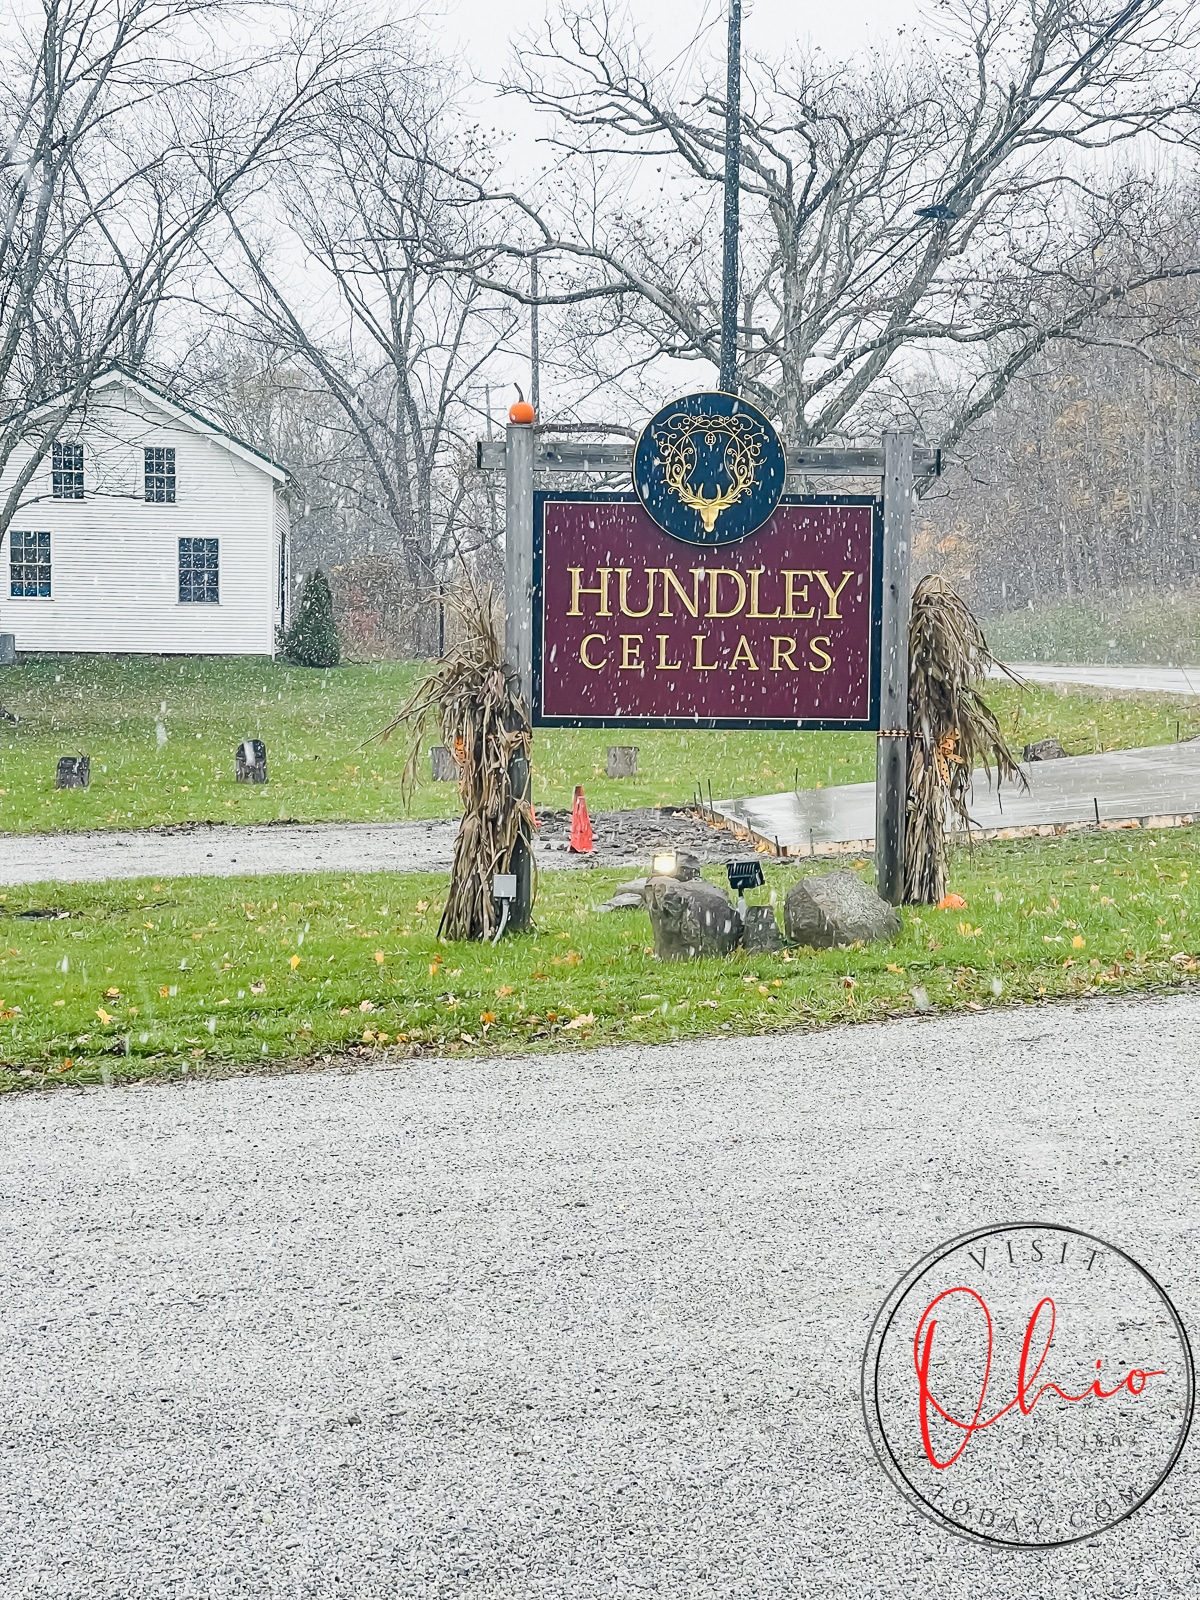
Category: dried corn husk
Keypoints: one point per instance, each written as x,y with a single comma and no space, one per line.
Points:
474,700
952,730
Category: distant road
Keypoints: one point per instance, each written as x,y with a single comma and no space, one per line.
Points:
1145,680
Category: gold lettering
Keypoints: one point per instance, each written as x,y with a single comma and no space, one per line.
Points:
700,664
714,578
743,654
623,581
592,666
833,614
815,646
793,591
670,581
663,665
784,649
578,589
754,574
631,660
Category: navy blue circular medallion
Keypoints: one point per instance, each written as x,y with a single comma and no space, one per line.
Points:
709,468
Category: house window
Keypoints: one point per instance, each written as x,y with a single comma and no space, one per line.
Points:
198,571
160,474
29,565
66,471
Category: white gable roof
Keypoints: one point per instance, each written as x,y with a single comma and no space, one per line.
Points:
116,378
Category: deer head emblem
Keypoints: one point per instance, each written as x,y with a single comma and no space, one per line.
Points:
677,440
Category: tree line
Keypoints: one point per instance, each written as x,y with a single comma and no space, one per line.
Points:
983,230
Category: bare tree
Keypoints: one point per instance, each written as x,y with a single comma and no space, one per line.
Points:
371,201
128,125
963,202
1083,481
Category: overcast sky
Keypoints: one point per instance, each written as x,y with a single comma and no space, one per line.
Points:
481,29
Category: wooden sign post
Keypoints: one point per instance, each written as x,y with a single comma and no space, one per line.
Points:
745,602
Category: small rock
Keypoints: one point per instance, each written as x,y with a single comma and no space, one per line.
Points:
761,931
689,919
1045,750
621,902
836,908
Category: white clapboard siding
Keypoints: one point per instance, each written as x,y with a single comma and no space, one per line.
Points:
115,556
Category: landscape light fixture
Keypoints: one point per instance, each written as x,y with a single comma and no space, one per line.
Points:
664,864
744,875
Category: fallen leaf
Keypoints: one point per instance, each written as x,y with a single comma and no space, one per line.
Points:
849,983
380,957
584,1020
487,1016
366,1005
112,994
103,1015
163,992
293,962
1078,942
504,991
892,967
258,988
422,905
571,959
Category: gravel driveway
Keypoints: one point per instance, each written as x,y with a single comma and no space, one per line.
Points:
570,1326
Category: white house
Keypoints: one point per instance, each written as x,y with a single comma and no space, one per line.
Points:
146,529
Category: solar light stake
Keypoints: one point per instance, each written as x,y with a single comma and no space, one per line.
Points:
744,875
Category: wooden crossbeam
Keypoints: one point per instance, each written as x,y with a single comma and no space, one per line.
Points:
810,461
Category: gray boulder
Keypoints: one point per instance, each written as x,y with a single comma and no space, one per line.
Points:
1045,750
761,932
691,919
836,908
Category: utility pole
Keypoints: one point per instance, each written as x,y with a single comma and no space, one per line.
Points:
733,153
535,395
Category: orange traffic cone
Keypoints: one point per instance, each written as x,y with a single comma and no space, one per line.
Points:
581,824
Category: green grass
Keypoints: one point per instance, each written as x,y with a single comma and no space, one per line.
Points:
1129,626
196,976
315,725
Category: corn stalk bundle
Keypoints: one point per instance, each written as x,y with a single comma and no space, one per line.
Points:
952,730
474,700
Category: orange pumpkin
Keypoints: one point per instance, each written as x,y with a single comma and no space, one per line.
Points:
520,411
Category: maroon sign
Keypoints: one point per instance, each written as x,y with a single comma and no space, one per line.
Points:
635,629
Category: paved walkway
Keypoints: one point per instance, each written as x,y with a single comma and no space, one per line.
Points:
221,852
576,1327
1140,680
1160,782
